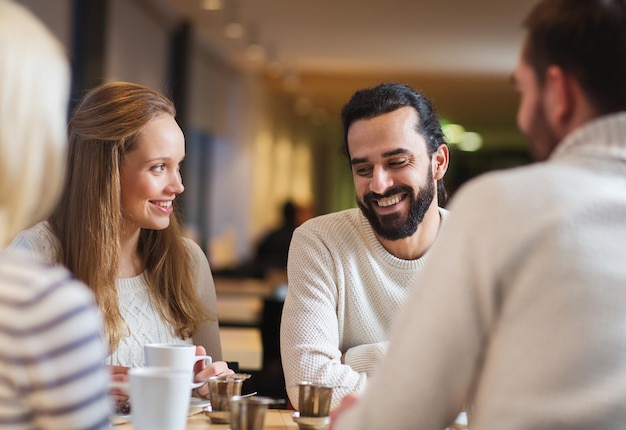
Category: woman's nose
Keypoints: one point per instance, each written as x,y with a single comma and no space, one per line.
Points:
176,184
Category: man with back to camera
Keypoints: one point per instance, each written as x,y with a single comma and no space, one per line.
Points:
350,271
529,269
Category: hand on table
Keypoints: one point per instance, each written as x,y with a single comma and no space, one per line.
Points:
203,372
119,395
348,401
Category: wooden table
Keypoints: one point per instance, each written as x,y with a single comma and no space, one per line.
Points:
275,419
242,345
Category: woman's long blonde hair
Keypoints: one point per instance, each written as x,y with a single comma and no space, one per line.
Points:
34,95
88,218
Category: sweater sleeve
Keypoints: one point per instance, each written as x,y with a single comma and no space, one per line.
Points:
310,340
57,357
38,241
366,358
208,334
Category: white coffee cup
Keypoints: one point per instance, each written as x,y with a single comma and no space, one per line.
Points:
159,397
175,356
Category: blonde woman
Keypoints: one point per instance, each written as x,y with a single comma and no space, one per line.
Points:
52,373
115,227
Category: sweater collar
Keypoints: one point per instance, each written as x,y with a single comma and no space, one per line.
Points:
603,137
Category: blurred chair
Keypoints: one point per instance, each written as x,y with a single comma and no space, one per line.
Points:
272,380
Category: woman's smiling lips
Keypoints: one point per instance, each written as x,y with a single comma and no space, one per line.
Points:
165,206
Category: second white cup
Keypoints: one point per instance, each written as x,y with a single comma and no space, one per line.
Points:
175,356
160,398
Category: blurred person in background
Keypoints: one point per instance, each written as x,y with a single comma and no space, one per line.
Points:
524,314
116,229
273,248
349,272
52,373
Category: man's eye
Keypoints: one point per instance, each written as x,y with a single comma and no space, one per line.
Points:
398,162
362,170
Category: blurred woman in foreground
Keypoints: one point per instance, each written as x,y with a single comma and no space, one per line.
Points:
52,374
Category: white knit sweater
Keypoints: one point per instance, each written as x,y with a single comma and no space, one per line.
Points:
145,324
524,314
344,291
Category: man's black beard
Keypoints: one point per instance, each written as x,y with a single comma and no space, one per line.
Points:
392,226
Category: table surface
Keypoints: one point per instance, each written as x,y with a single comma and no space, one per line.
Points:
275,419
243,345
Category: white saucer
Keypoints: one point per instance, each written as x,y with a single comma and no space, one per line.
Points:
196,405
310,423
197,402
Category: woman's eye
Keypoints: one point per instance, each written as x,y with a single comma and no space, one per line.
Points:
158,168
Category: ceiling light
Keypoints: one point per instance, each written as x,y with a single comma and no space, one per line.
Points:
211,4
234,30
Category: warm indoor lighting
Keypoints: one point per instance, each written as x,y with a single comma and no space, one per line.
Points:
274,69
211,4
234,30
303,106
255,52
291,82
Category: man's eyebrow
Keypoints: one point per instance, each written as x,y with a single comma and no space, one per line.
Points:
396,152
354,161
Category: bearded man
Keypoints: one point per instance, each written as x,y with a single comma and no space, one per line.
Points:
349,272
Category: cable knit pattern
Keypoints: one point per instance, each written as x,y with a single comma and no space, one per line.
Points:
344,291
524,314
143,320
147,325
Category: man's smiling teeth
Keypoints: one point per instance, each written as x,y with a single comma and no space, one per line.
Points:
163,204
388,201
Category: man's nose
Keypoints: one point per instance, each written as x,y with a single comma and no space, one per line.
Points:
381,180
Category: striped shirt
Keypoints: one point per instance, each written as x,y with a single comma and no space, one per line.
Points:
52,373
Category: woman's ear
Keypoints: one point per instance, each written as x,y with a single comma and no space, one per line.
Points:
441,158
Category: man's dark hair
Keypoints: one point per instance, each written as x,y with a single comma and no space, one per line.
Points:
387,97
585,38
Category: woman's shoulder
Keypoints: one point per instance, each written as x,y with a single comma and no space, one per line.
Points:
38,240
196,254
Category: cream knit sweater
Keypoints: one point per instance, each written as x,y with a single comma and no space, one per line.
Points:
145,324
344,291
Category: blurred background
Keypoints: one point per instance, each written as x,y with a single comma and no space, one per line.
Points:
259,85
